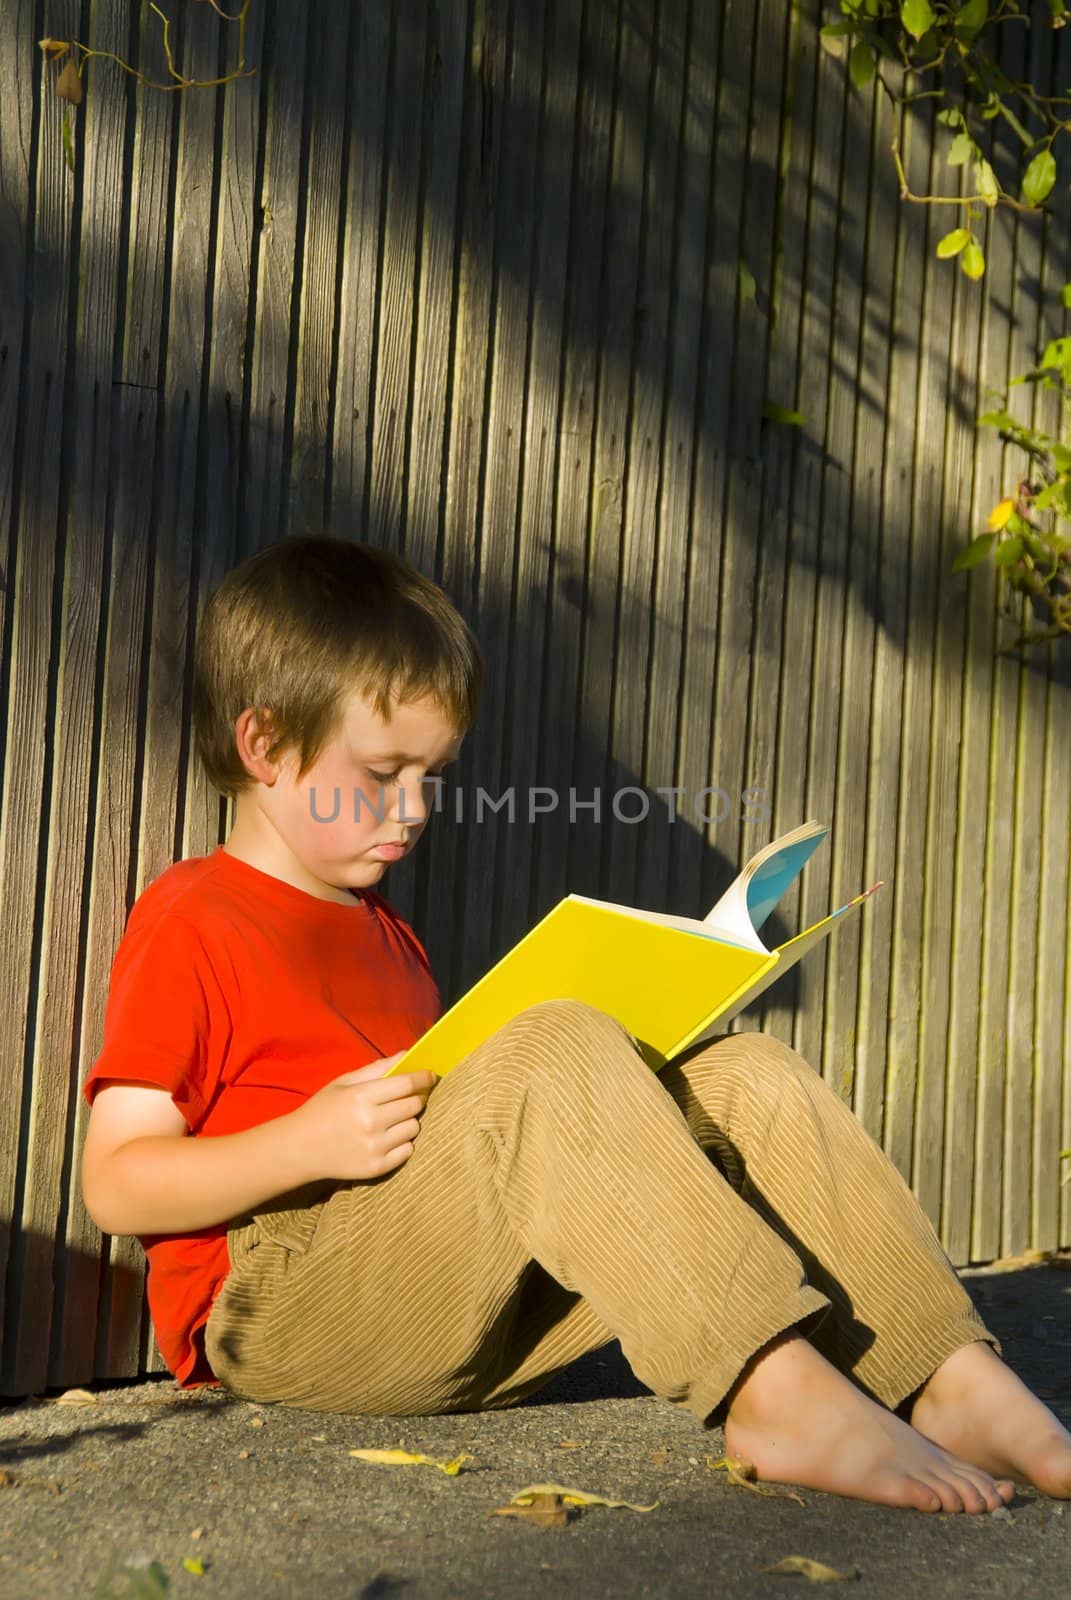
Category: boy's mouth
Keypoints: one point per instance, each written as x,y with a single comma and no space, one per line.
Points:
389,852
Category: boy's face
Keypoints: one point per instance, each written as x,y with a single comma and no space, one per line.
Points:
360,806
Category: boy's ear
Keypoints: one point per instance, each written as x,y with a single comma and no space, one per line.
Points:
254,731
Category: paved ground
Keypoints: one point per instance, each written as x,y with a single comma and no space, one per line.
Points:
272,1506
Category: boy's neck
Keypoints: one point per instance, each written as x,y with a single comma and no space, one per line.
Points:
251,840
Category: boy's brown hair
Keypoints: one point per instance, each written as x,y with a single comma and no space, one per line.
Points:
298,627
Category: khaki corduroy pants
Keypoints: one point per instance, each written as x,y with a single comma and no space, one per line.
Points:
560,1195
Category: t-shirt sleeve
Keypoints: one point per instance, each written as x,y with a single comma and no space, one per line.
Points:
165,1015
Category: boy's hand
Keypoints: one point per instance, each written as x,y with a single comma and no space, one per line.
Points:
362,1124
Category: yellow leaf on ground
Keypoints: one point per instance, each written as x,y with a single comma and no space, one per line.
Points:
742,1474
403,1458
815,1571
545,1511
576,1497
192,1564
998,517
76,1397
570,1444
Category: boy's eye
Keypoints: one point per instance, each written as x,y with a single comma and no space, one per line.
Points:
391,777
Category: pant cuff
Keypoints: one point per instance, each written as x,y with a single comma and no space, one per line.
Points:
804,1312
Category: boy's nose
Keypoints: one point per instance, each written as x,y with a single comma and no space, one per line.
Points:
410,804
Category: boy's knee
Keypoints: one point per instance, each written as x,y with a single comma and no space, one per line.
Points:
567,1019
760,1064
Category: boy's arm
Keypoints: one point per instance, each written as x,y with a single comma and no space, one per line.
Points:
141,1175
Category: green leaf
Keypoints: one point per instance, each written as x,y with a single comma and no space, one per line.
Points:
961,150
1061,457
1057,353
775,413
68,138
861,64
1008,551
917,17
997,419
976,551
953,243
970,18
836,30
746,279
986,181
1039,177
1065,296
952,117
972,261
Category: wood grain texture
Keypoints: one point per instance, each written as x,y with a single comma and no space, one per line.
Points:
506,288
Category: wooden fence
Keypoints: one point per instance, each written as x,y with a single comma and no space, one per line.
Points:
474,280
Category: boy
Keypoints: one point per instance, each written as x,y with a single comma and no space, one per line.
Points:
321,1236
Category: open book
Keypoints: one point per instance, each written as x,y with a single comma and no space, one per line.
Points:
671,980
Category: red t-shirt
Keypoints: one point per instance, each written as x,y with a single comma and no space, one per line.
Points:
242,995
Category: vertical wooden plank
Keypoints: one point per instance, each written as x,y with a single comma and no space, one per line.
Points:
514,209
589,861
740,233
324,110
263,491
187,338
1003,244
894,1005
1052,1063
219,479
130,537
19,109
671,618
465,549
41,473
815,618
706,532
773,785
444,94
524,758
645,554
394,325
83,512
560,728
844,641
765,510
366,95
435,205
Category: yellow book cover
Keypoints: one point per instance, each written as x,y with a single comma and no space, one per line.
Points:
670,980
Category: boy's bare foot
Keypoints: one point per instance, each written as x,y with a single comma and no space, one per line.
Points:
975,1406
798,1420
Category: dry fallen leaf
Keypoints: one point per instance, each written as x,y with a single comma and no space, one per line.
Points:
243,1455
544,1510
815,1571
570,1444
659,1457
69,85
76,1397
742,1474
576,1497
256,1422
32,1480
403,1458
